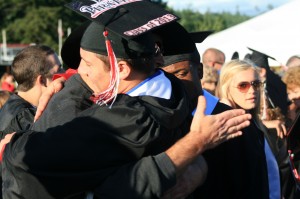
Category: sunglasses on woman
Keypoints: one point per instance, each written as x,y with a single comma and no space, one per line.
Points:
244,86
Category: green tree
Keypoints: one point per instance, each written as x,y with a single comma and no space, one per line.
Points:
35,21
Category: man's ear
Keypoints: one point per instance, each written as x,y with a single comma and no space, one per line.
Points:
124,70
41,81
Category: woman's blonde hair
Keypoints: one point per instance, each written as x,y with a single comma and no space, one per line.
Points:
228,71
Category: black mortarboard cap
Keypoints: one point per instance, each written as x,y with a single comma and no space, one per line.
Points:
128,18
259,59
177,43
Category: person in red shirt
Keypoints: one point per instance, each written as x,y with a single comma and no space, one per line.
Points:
7,82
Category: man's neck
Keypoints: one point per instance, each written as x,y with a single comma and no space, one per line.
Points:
126,86
131,82
31,96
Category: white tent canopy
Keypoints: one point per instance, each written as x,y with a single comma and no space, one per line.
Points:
275,33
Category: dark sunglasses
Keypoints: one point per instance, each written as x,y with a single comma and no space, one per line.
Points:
244,86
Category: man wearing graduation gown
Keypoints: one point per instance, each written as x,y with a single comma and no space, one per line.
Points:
32,68
237,168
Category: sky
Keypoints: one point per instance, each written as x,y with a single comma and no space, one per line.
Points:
250,8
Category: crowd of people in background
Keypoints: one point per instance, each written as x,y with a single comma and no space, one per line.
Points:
147,117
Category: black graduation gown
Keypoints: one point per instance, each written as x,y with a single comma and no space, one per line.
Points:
78,156
16,114
237,168
280,151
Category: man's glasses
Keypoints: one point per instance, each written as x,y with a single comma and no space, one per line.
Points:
244,86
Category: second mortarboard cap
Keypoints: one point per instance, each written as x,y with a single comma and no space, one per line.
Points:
259,59
179,45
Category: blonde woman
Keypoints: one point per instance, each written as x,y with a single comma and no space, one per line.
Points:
239,86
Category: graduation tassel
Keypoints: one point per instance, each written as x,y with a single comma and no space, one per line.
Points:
109,95
265,105
266,102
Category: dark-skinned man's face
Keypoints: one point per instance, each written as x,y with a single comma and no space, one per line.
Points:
188,73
